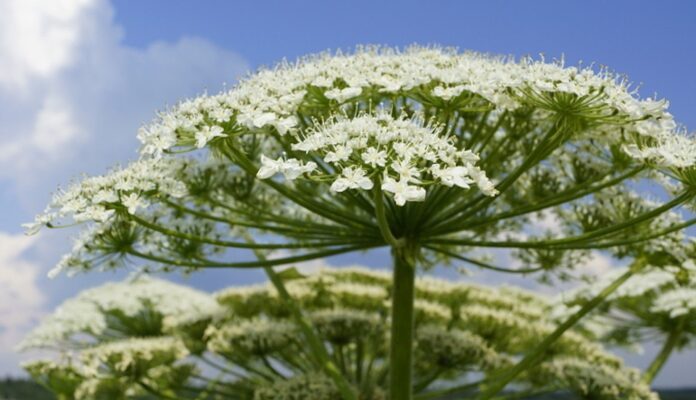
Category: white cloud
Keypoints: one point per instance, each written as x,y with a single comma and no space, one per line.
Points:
21,300
37,39
54,128
72,96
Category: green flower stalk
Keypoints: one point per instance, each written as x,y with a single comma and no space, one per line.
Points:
427,151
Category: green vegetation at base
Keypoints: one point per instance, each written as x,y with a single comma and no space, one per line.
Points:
23,389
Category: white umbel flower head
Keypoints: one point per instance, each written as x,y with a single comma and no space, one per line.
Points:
87,313
94,198
133,355
655,299
676,302
271,98
404,153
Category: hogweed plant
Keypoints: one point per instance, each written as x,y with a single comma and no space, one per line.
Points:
432,153
151,337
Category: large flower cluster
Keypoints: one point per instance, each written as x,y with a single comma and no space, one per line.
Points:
285,100
251,340
670,152
401,153
656,299
675,153
591,380
89,200
423,126
271,98
98,313
132,355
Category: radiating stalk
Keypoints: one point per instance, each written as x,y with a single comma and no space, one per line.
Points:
401,352
532,358
316,346
666,350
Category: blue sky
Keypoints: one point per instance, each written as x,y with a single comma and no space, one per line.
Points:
77,78
652,42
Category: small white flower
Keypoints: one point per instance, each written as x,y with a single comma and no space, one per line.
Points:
374,157
32,228
406,171
389,85
485,185
206,134
353,178
74,205
342,95
269,167
291,168
105,196
341,153
402,191
469,156
453,176
447,93
133,202
264,119
156,139
220,114
96,213
285,124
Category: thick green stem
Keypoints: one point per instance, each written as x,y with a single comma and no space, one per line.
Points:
532,358
402,324
662,357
